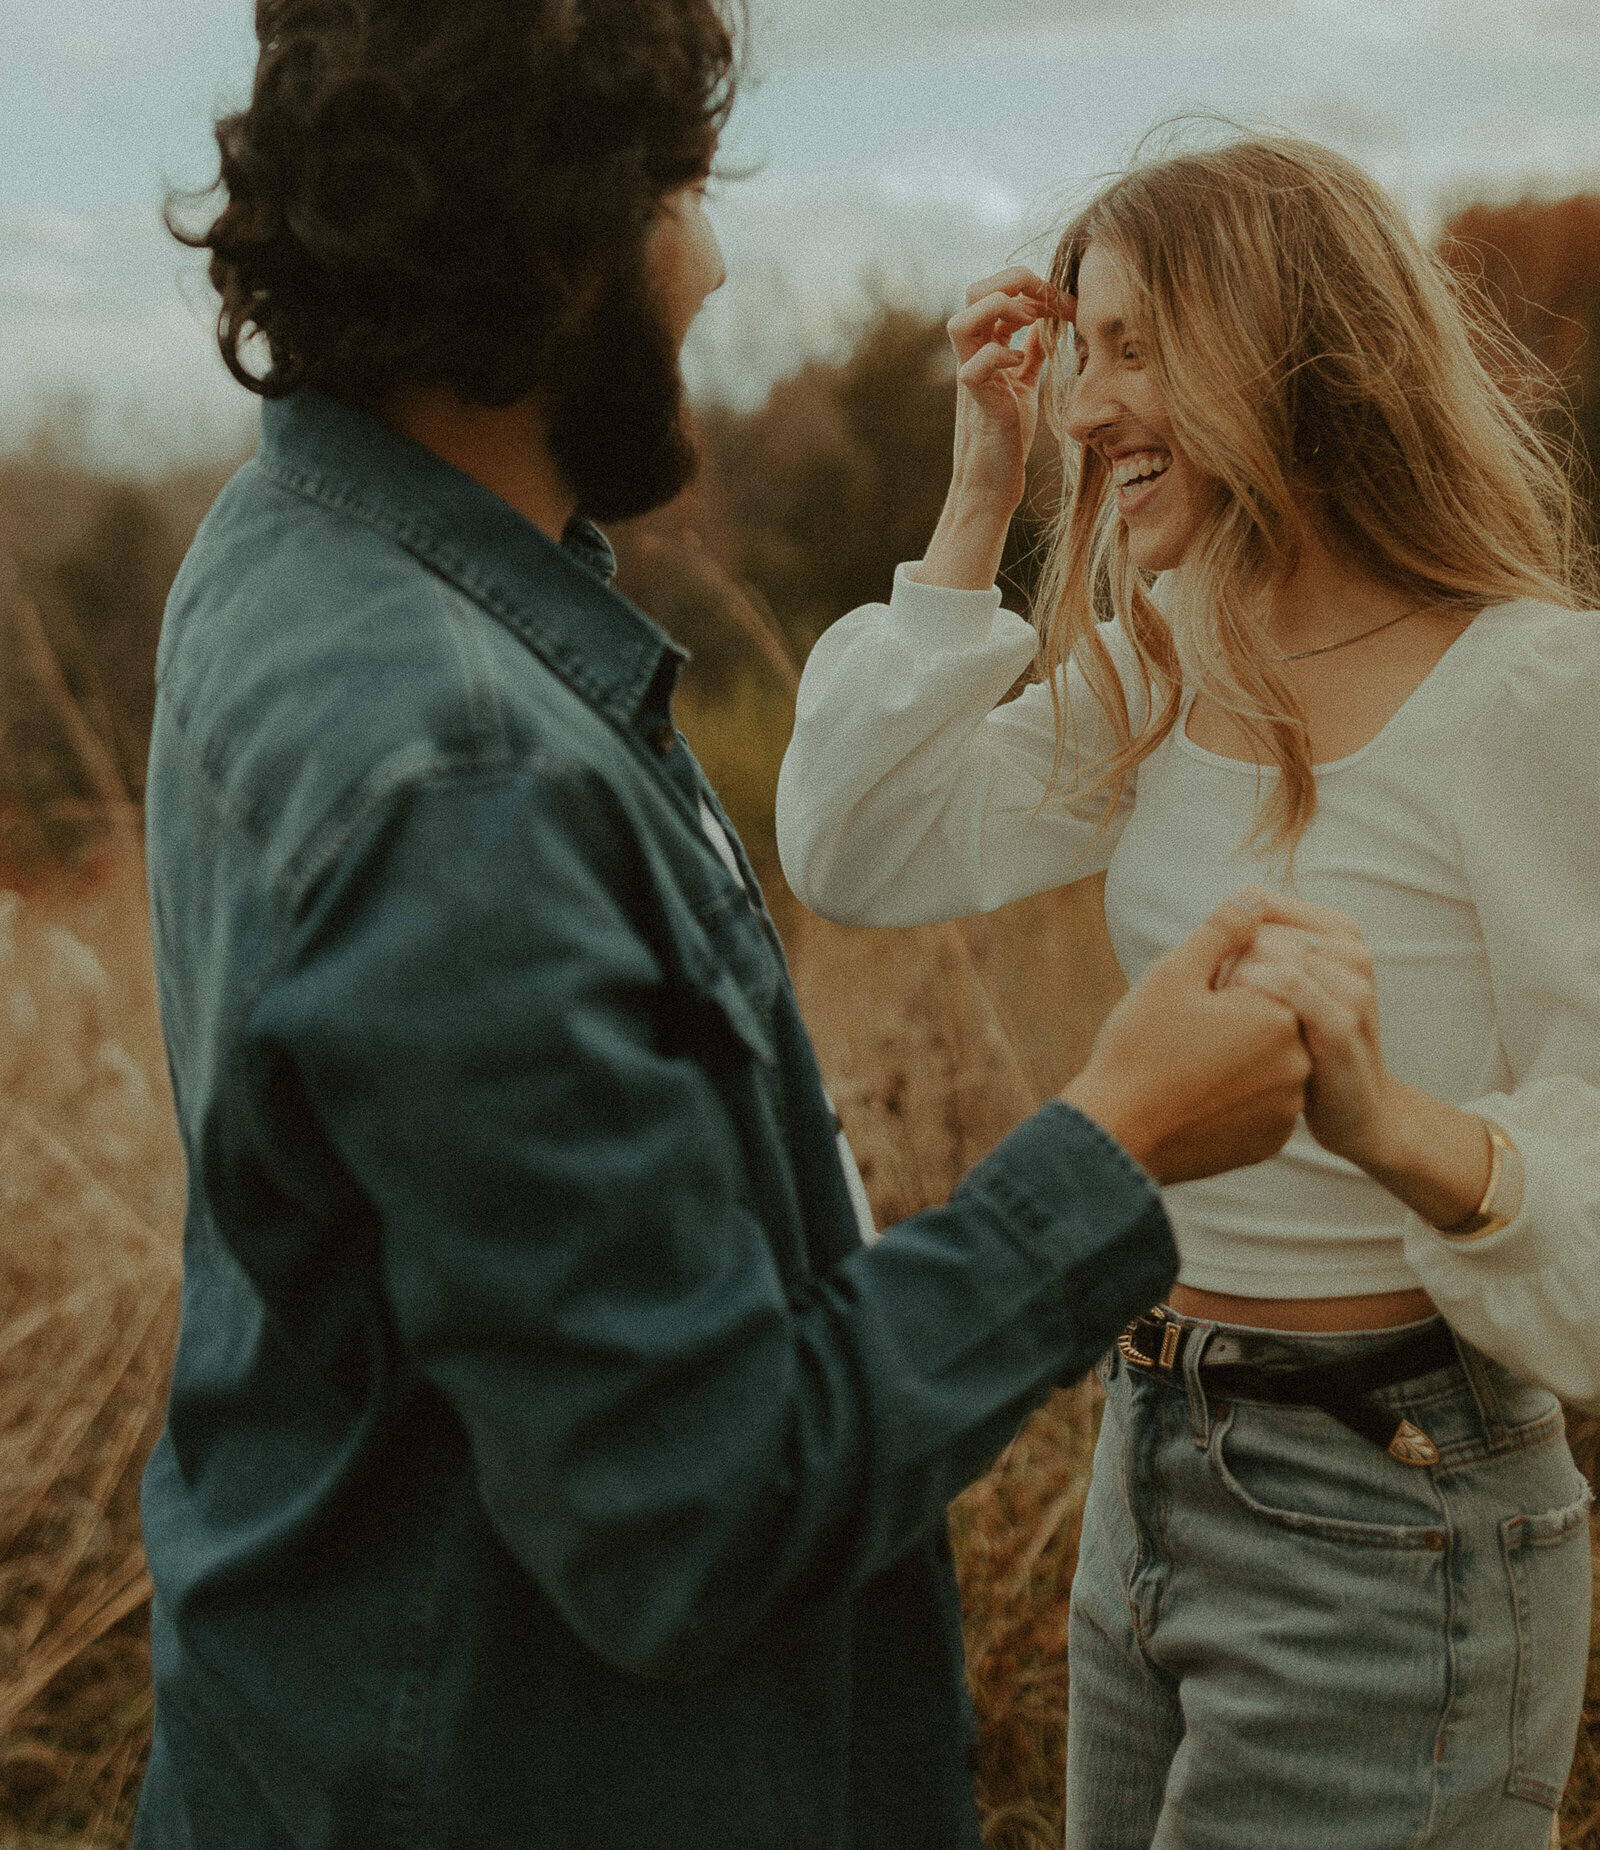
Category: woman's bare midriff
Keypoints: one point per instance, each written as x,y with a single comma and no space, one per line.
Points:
1382,1310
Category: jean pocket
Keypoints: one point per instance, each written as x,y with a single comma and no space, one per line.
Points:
1548,1560
1299,1469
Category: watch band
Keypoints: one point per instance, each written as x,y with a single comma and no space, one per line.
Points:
1502,1196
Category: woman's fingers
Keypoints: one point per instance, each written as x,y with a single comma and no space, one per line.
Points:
1317,950
1286,909
1017,280
1319,983
1322,969
994,317
997,404
1033,357
1286,944
988,363
1330,1020
1334,967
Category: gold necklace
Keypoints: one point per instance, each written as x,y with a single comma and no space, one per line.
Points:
1361,635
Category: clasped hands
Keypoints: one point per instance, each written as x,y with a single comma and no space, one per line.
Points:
1265,1012
1315,961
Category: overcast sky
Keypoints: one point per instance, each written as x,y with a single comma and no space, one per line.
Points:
902,146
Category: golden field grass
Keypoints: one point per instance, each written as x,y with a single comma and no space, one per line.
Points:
90,1197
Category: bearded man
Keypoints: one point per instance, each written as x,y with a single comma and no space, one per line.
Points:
550,1461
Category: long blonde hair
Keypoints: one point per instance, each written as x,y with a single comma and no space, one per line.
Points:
1303,339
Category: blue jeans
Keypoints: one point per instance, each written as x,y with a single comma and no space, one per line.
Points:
1284,1639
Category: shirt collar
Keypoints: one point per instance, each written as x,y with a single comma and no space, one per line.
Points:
558,599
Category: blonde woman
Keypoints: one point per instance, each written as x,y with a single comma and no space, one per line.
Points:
1334,1583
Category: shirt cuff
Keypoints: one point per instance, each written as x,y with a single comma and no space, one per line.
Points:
936,617
1078,1200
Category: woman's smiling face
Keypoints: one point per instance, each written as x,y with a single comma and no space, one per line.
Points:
1117,409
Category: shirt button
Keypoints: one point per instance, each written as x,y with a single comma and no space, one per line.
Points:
1435,1540
663,738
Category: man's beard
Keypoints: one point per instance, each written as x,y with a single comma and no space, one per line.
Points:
617,429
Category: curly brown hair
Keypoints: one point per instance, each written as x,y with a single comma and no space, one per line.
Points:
422,193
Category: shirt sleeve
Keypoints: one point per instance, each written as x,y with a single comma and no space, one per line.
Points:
909,794
674,1440
1528,815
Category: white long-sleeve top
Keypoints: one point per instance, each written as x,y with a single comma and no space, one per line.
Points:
1464,839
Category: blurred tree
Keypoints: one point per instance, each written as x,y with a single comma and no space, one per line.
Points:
62,795
1540,264
814,499
96,557
666,569
112,587
736,697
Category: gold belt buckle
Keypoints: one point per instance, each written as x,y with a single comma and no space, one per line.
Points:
1128,1353
1169,1345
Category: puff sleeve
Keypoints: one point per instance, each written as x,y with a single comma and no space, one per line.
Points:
1527,810
909,794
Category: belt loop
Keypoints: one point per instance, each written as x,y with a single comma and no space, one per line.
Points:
1200,1335
1474,1366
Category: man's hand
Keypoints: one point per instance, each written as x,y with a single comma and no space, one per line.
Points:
1192,1079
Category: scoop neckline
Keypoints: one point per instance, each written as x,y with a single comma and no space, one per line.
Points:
1248,766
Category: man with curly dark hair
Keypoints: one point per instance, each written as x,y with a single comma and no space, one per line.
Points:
550,1460
461,202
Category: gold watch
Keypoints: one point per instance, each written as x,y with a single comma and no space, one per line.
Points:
1502,1198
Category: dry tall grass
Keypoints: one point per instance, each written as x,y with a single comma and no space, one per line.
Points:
90,1193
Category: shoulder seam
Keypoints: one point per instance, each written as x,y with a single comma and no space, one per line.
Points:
409,767
417,763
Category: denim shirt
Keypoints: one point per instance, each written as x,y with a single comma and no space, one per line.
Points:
548,1462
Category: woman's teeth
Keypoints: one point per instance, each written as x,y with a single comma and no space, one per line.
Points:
1136,467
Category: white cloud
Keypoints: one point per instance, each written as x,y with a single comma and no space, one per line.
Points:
92,317
1567,18
90,49
45,228
785,33
788,32
810,262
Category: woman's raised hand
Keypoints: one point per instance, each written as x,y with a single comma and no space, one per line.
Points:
997,414
997,384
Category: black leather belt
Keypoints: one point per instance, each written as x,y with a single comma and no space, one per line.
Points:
1157,1344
